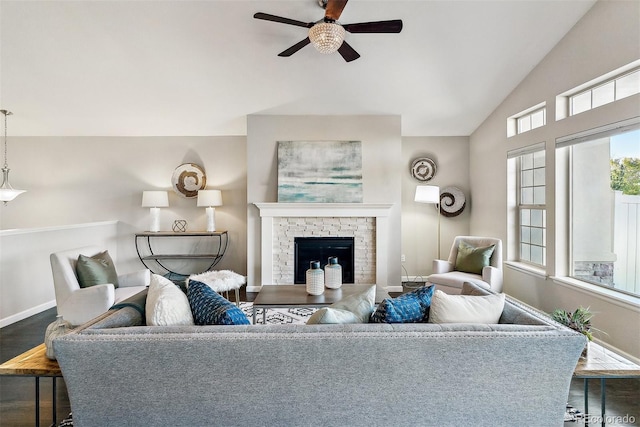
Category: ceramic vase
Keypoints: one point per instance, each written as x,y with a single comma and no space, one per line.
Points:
315,279
333,273
55,329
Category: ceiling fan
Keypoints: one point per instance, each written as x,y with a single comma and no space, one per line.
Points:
327,34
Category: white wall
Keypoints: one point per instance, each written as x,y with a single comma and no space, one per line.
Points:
605,39
76,180
26,283
381,168
420,221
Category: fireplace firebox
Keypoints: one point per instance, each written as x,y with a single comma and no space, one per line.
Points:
307,249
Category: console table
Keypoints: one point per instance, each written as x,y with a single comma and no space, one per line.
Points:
152,258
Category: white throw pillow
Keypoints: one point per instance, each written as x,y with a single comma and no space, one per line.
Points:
166,304
465,308
356,308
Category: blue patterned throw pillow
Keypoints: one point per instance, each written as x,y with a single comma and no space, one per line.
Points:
412,307
210,308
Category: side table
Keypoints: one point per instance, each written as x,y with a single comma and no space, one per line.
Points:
34,363
603,364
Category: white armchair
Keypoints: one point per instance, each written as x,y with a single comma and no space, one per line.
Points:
446,278
78,305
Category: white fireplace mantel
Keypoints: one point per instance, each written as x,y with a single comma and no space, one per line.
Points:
379,211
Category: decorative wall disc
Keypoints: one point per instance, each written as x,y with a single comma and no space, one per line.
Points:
423,169
187,179
452,201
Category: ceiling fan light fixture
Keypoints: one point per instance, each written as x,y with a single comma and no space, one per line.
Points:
326,37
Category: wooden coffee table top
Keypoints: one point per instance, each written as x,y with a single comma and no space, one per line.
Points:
284,295
603,363
33,363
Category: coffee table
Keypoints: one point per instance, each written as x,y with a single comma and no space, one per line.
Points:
288,296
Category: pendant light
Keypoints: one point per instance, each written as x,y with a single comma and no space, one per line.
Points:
7,193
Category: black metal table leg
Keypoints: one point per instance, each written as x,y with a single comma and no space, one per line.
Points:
602,399
586,401
54,414
37,401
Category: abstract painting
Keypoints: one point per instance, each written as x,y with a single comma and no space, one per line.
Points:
320,171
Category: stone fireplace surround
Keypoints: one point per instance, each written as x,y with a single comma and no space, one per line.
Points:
367,222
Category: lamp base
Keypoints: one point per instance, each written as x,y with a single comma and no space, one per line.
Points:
211,219
154,225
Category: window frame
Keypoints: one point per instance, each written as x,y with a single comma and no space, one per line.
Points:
515,206
564,155
520,206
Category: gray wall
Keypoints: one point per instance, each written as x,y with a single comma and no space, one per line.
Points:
419,220
601,42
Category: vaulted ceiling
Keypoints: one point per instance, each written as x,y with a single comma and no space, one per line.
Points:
155,68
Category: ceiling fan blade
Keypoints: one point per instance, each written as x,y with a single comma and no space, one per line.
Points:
393,26
273,18
334,9
296,47
348,53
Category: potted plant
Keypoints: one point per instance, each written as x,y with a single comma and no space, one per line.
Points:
579,321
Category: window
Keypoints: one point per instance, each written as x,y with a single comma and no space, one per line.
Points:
608,88
613,90
529,218
527,120
604,207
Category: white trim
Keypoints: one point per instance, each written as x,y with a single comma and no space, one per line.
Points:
379,211
628,302
26,313
529,149
324,209
16,231
527,269
599,132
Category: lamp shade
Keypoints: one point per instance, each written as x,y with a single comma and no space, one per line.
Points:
155,199
208,198
427,194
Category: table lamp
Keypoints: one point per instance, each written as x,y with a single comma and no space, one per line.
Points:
209,199
155,200
430,194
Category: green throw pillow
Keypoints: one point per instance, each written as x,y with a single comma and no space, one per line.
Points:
96,270
471,259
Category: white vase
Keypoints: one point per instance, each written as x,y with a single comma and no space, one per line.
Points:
55,329
315,279
333,274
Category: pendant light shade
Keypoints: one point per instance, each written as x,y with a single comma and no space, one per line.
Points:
7,192
326,37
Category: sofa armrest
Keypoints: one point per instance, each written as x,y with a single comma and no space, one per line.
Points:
493,276
441,266
86,303
136,278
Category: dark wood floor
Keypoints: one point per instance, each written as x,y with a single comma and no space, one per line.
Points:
17,394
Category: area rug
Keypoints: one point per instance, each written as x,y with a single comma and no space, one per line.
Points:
298,315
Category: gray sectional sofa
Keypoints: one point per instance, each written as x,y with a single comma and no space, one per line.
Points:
120,372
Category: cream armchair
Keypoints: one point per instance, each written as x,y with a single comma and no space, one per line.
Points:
446,278
78,305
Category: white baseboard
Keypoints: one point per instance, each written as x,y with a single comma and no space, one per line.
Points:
26,313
